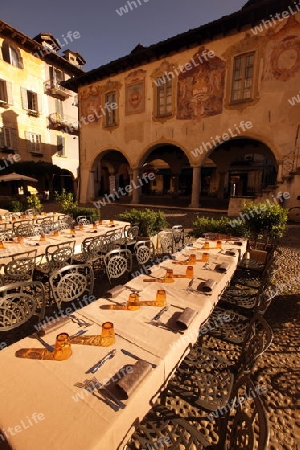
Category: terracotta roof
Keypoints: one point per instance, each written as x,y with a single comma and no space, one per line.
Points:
252,13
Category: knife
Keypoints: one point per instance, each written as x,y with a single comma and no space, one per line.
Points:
78,334
160,313
97,366
45,344
137,358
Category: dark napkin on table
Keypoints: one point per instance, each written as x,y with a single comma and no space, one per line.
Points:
237,243
230,252
186,318
222,268
115,291
207,286
133,379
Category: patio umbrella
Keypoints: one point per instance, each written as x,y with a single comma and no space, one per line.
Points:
16,177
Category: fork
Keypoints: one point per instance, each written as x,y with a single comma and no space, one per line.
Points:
99,386
90,387
80,322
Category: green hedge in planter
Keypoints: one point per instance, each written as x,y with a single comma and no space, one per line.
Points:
150,222
221,226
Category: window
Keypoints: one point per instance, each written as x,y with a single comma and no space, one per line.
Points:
61,150
242,80
31,101
34,143
59,109
56,76
164,97
12,55
9,138
110,114
5,92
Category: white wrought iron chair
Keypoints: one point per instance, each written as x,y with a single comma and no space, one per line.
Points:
118,263
72,282
19,302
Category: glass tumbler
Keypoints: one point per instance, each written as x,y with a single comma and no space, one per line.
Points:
205,257
62,349
190,272
206,244
161,297
133,298
108,334
192,259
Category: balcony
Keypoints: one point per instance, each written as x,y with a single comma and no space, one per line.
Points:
4,104
58,121
52,87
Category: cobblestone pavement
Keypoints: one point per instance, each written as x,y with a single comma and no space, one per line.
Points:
279,367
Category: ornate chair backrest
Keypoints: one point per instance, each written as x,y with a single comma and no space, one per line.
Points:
246,424
84,220
46,225
19,302
144,251
257,339
117,263
72,282
59,255
24,228
114,239
178,235
166,241
131,233
21,267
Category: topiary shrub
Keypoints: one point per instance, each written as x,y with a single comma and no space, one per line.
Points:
66,201
150,222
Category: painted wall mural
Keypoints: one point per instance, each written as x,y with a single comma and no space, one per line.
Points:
135,98
201,89
283,53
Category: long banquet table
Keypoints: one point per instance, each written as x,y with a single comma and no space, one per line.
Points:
73,417
35,243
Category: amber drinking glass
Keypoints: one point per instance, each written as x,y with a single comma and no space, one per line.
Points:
108,334
1,245
192,259
206,244
169,276
42,238
62,349
190,272
161,297
219,244
80,226
94,226
133,298
20,239
205,257
100,222
111,222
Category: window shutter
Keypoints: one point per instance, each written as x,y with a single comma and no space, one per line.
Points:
14,139
39,103
9,93
5,52
51,74
60,145
1,138
28,140
24,98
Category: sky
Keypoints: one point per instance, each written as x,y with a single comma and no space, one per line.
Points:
103,34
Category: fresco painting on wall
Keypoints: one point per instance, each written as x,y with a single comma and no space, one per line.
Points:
283,53
201,89
135,98
90,101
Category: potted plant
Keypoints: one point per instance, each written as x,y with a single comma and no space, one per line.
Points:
150,222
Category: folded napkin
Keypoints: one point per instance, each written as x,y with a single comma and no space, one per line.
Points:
186,318
207,286
222,268
237,243
259,255
230,252
115,291
132,380
43,353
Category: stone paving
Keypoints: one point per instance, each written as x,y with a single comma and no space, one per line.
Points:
279,368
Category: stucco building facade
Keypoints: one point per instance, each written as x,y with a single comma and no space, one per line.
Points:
213,110
38,116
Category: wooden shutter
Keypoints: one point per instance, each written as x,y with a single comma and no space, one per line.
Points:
24,98
60,145
51,74
1,138
39,103
9,93
14,139
28,141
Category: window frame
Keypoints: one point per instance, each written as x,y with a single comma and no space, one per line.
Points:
31,101
12,145
111,118
34,143
61,142
164,87
243,57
